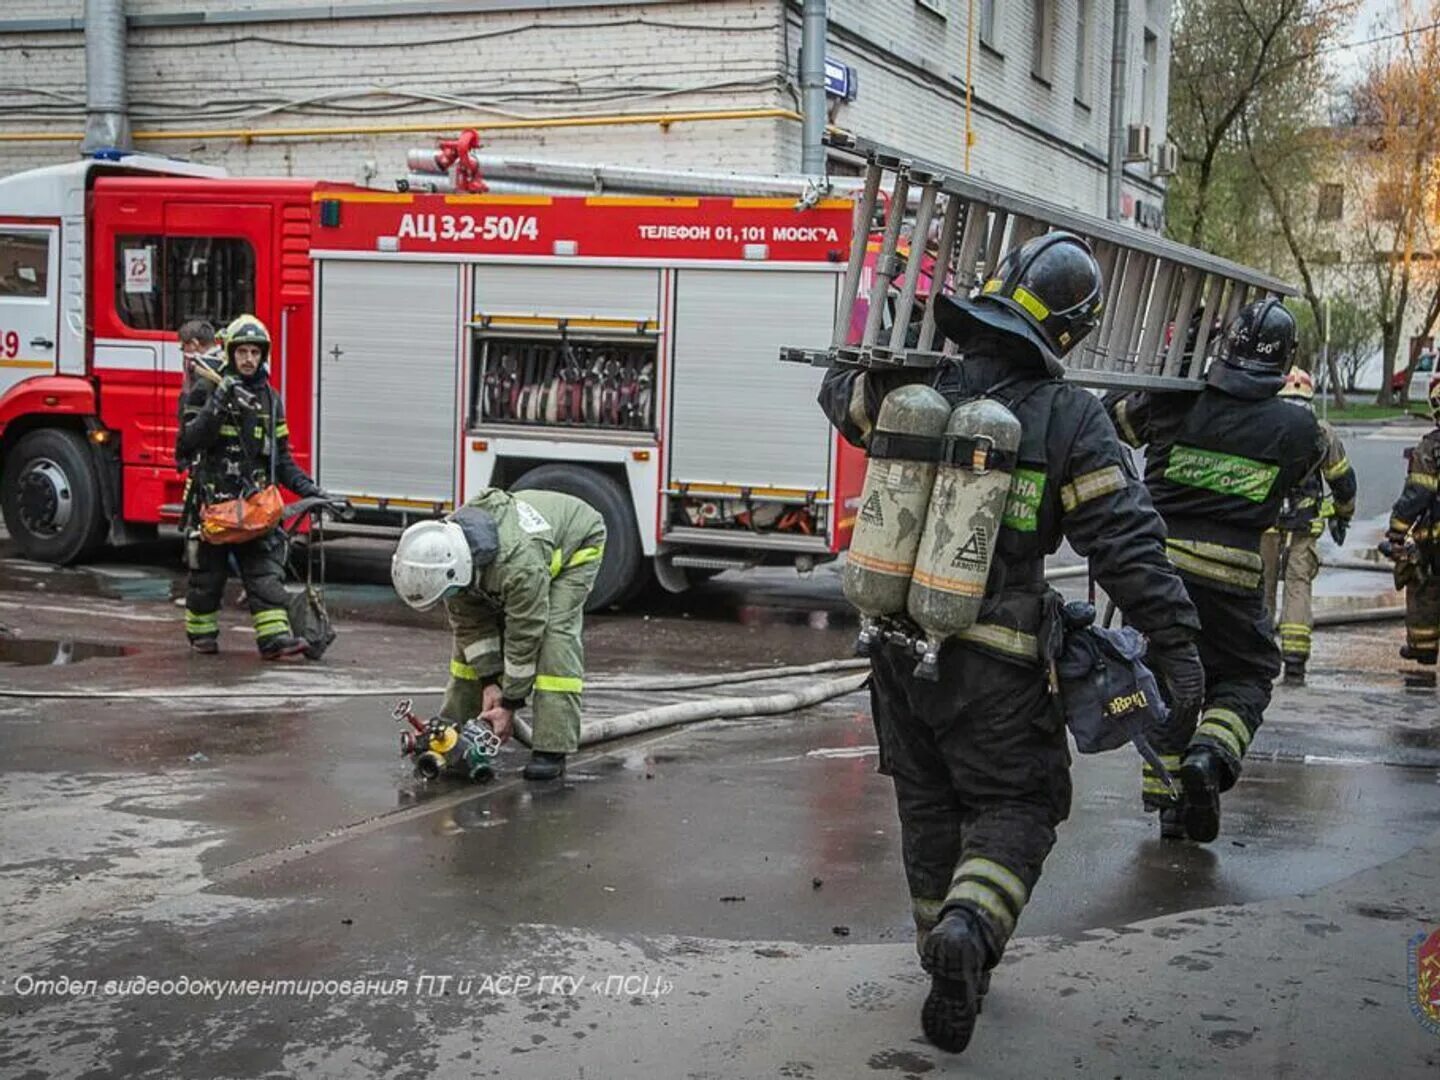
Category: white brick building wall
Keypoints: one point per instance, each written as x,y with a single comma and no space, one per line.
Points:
1029,135
255,66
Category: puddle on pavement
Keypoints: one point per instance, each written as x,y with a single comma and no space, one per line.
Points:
157,580
1415,738
43,652
758,615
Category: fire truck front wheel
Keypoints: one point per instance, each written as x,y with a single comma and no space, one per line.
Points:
621,569
50,496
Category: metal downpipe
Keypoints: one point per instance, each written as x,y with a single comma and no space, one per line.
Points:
107,111
1119,57
812,87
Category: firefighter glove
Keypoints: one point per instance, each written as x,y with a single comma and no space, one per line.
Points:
224,395
1338,528
340,507
1177,661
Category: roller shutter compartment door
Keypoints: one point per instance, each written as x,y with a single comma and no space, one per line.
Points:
739,415
389,354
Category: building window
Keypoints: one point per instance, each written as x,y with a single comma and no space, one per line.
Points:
1042,56
1389,200
24,264
208,278
935,7
1332,202
1082,51
161,282
1149,72
987,25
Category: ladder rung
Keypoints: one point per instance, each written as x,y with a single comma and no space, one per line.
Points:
939,275
919,239
1154,288
880,287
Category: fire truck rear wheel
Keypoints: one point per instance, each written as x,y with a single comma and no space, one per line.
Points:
50,496
623,565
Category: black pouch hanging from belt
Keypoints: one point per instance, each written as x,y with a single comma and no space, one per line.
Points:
1110,696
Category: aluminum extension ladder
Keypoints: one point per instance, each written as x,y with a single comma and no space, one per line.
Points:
1153,287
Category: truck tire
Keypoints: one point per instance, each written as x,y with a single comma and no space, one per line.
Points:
50,496
620,571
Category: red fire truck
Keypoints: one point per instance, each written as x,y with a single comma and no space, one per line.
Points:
428,345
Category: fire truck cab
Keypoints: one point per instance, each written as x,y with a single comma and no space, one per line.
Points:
69,429
428,345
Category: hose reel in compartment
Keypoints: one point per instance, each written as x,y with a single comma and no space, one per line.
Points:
579,373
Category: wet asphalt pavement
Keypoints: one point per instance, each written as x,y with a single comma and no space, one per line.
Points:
729,896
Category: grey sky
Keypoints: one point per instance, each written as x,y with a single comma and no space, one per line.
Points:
1375,17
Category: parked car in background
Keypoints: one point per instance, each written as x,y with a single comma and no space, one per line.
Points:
1418,377
1371,373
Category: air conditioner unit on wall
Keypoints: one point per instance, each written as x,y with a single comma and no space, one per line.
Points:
1167,160
1137,142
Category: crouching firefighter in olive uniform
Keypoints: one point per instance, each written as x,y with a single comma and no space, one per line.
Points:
514,572
1288,550
1218,467
976,747
235,441
1413,541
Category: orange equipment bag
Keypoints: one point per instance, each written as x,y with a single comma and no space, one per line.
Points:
249,517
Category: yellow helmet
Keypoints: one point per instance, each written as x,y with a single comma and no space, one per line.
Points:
1298,384
246,330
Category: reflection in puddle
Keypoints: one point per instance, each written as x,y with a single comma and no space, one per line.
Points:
42,652
756,615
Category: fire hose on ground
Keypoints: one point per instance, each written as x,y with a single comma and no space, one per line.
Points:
469,750
725,708
638,685
438,746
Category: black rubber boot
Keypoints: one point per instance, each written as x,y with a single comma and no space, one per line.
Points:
281,647
205,644
1200,776
544,765
956,955
1420,656
1294,671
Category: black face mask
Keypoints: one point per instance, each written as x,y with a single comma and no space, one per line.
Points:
261,376
1243,382
1014,352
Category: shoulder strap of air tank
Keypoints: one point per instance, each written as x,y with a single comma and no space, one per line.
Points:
1028,387
976,454
896,444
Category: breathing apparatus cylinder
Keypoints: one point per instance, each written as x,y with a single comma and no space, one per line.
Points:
902,454
962,526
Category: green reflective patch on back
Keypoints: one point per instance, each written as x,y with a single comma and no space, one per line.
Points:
1022,507
1225,474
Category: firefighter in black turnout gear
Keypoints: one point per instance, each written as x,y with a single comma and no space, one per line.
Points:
979,757
1218,467
1413,541
229,436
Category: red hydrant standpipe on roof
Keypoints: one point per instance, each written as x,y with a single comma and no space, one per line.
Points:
459,153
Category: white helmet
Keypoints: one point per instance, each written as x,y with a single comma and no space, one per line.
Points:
432,561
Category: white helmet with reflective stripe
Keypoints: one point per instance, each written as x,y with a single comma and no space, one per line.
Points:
432,561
